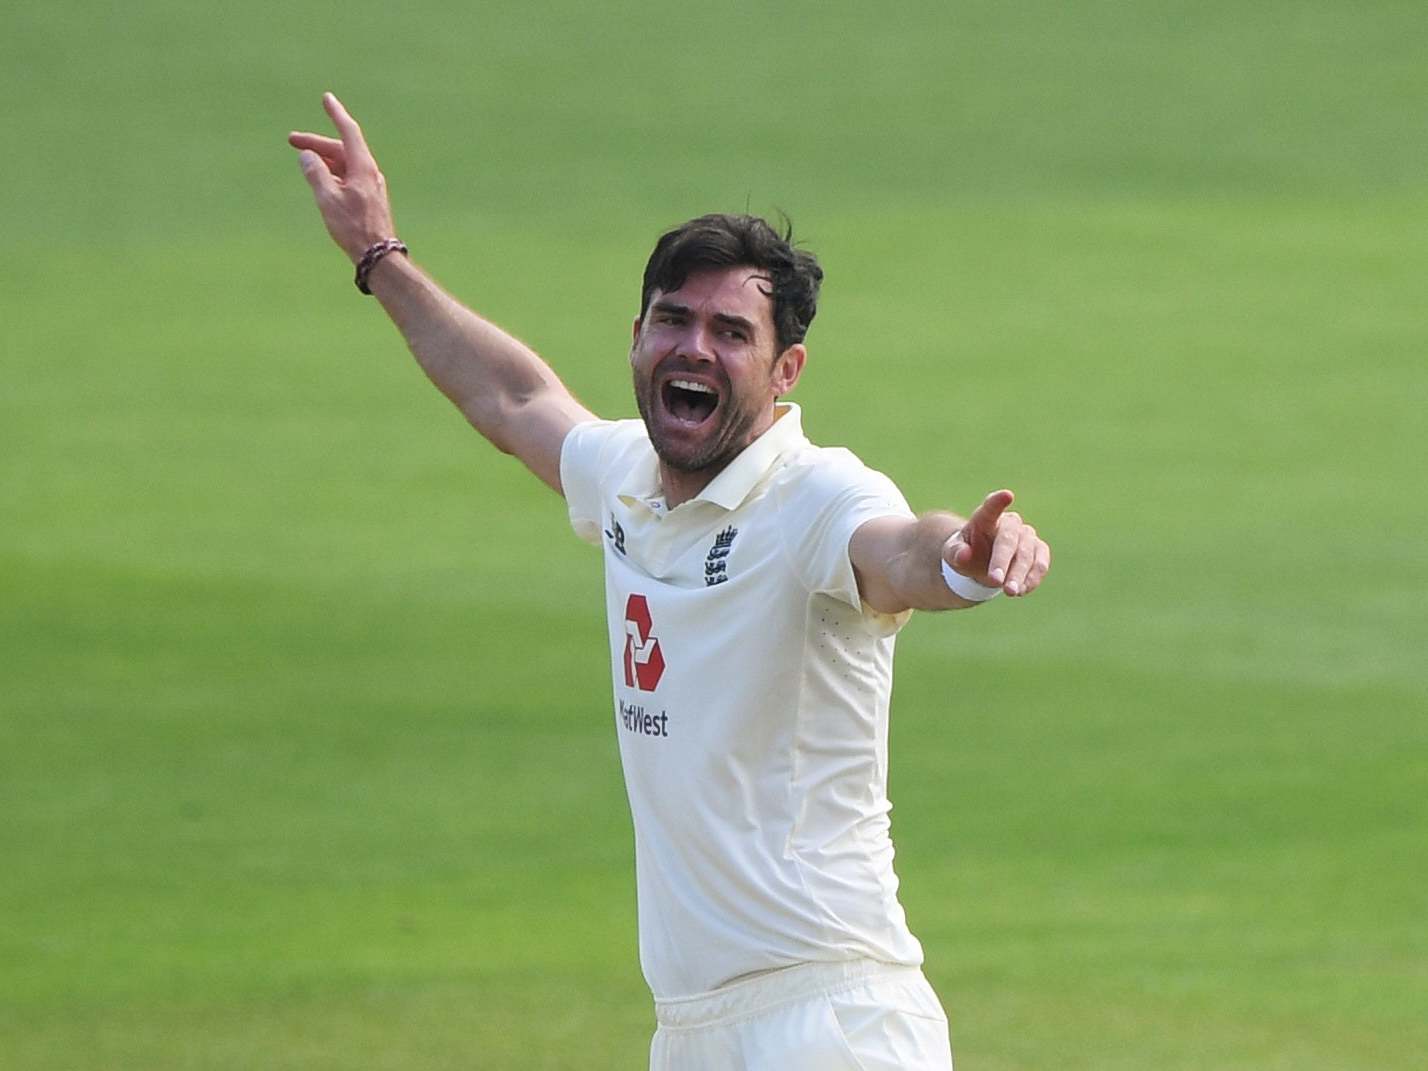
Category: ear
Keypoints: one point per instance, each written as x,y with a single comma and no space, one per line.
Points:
788,366
635,338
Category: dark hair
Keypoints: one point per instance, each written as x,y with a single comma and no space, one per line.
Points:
725,241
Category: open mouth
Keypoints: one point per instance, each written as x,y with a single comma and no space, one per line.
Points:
689,402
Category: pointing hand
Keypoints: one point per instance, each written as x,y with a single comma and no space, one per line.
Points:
998,549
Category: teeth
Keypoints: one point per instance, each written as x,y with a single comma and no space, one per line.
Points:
689,384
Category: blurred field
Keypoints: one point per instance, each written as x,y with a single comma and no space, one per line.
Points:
305,756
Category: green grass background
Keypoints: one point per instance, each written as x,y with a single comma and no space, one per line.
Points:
305,750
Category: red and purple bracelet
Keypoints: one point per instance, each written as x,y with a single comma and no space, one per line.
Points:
374,253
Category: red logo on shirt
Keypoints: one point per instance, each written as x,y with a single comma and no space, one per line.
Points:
644,664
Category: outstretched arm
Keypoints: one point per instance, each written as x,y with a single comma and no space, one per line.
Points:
898,561
504,389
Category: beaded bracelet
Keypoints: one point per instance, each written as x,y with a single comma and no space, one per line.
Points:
374,253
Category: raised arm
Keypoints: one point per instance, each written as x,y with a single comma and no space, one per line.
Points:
504,389
898,562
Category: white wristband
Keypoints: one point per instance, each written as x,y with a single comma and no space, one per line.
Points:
965,587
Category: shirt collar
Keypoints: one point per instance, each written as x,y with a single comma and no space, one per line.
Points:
729,489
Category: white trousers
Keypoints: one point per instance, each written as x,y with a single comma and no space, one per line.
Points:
857,1015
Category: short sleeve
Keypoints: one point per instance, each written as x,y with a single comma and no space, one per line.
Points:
593,455
830,499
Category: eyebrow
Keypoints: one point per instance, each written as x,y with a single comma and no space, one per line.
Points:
676,309
744,325
670,307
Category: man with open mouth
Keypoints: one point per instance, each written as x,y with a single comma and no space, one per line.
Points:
754,585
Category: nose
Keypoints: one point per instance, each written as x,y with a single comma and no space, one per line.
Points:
696,343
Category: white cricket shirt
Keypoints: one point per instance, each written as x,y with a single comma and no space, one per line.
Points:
751,703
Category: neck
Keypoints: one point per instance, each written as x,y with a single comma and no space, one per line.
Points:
680,486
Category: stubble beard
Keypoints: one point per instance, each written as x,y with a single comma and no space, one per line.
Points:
726,443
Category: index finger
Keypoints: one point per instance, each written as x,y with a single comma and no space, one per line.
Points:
330,149
352,139
993,506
